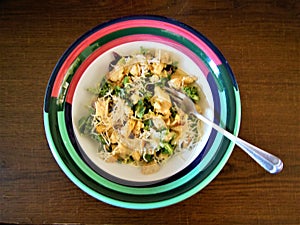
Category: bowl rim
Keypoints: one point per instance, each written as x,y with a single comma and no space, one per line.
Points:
131,175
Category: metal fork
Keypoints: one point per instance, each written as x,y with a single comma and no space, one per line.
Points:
269,162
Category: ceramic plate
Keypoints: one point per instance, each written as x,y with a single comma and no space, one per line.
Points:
197,55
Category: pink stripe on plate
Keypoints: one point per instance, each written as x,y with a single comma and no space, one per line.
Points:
124,40
124,25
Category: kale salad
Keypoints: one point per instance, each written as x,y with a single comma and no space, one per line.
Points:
132,117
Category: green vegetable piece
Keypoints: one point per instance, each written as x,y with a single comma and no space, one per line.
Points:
85,125
163,81
119,91
147,124
81,124
140,109
192,92
125,80
122,61
148,105
104,89
149,157
148,95
99,138
168,149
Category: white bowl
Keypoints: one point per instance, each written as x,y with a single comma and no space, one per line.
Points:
93,75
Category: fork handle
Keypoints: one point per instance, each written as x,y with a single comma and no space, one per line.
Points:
269,162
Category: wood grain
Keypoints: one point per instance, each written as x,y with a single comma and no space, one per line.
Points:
260,40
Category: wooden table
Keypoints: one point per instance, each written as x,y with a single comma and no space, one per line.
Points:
260,40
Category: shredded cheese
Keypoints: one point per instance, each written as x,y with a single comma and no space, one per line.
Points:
115,116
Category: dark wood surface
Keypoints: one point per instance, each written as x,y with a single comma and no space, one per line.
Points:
260,40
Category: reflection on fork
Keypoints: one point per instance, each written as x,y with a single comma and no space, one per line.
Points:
269,162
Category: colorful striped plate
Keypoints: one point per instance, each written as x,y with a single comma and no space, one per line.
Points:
65,95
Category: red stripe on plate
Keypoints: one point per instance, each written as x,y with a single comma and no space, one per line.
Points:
124,25
124,40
